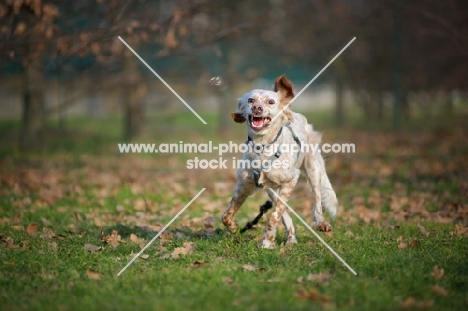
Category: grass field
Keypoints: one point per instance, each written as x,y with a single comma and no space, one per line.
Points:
72,216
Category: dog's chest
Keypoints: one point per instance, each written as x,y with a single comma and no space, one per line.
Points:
274,172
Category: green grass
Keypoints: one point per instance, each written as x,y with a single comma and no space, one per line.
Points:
81,189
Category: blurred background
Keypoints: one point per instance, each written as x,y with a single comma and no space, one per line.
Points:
68,83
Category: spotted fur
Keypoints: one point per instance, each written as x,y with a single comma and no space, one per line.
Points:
267,105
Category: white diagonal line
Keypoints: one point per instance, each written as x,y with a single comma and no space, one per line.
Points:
159,233
315,233
162,80
316,76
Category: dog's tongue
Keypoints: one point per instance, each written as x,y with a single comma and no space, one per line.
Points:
257,121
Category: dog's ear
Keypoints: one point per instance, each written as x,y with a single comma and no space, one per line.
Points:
285,89
238,117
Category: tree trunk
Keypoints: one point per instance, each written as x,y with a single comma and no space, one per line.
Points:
33,118
133,114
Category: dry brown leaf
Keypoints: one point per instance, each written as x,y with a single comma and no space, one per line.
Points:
135,239
9,242
198,264
170,41
311,295
19,228
47,233
46,222
321,277
92,248
411,303
402,245
414,242
20,28
228,280
423,230
112,239
31,229
437,273
187,249
460,230
408,303
249,267
166,236
209,222
400,239
144,256
349,233
439,290
93,275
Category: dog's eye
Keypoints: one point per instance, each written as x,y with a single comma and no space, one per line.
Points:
271,102
251,100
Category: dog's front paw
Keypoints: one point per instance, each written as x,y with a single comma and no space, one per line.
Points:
232,228
291,241
324,227
267,244
230,224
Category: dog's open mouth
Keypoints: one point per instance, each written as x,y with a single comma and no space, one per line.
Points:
259,123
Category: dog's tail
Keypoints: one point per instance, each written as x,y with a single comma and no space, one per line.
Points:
329,200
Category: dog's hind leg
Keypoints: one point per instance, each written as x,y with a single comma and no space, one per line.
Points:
313,168
243,190
329,200
287,222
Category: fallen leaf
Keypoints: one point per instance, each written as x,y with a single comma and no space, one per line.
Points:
31,229
228,280
93,275
46,222
411,303
19,228
437,273
349,233
249,267
311,295
414,242
135,239
47,233
321,277
187,249
112,239
209,222
439,290
92,248
460,230
198,264
402,245
400,238
144,256
8,241
423,230
408,303
53,245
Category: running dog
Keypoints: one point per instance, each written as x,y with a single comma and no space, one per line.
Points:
272,126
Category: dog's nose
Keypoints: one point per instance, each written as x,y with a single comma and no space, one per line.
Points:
257,109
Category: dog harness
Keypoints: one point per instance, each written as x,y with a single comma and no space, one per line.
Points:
257,170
